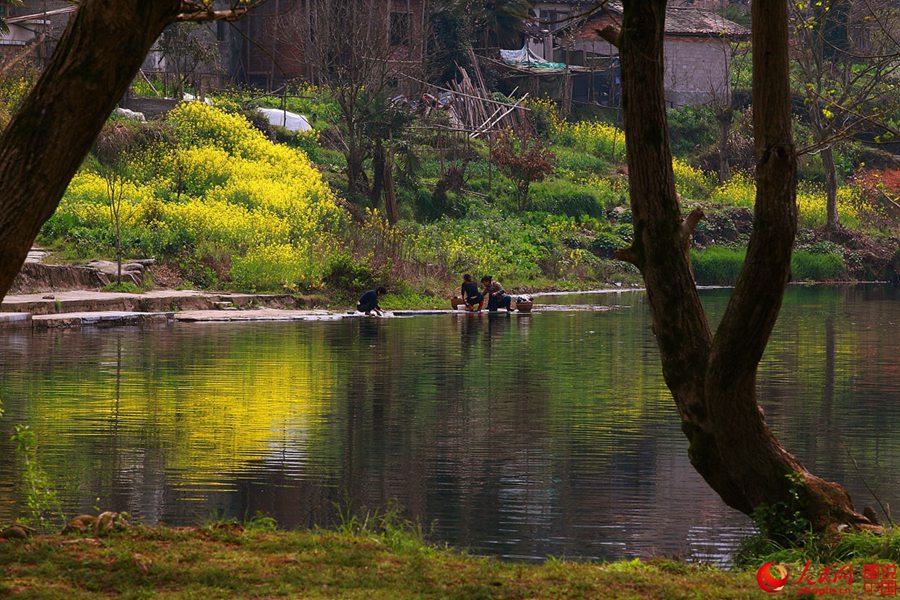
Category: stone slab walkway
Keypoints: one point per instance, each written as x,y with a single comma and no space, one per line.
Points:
152,301
78,309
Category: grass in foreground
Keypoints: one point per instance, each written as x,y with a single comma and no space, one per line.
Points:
386,561
226,562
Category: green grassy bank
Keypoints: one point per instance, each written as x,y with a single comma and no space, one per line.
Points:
228,561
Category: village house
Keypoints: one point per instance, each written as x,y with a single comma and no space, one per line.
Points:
264,48
699,45
272,39
37,23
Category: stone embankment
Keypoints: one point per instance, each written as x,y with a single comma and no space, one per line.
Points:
75,309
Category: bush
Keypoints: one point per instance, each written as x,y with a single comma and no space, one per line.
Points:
812,200
717,265
564,197
275,268
348,276
576,161
810,266
692,128
739,191
605,244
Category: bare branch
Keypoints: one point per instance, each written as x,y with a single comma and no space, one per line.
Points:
610,34
201,11
689,224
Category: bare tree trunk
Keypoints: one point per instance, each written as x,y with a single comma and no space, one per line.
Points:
832,223
378,174
724,116
118,251
356,184
713,380
93,64
390,191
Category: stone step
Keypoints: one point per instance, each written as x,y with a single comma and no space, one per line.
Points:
15,320
153,301
101,320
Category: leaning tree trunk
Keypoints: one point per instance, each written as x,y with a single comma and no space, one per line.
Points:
43,146
713,380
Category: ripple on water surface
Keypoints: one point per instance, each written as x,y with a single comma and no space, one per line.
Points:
549,434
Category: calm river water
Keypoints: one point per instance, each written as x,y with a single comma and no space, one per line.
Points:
522,436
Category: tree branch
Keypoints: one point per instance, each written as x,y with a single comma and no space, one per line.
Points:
689,224
610,34
200,11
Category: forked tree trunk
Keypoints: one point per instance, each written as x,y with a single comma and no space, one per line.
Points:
713,379
43,146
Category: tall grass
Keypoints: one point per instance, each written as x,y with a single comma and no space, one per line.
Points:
718,265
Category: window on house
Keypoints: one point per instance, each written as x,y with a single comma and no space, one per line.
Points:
399,29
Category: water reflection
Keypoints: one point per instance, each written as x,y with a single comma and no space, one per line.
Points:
522,436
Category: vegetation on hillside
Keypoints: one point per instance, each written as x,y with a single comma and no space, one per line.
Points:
224,200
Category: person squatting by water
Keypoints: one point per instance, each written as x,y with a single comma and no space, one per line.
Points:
471,295
368,302
496,295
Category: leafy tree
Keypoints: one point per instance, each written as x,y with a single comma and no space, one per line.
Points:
847,81
523,160
352,56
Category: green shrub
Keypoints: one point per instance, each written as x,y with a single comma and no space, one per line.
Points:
691,182
600,139
809,266
564,197
717,265
691,128
605,244
348,277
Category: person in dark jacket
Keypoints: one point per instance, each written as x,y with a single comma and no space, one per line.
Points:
471,295
496,295
369,301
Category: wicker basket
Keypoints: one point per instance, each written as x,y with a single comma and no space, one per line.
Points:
456,301
524,306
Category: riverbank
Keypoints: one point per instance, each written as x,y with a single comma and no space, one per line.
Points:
361,560
230,562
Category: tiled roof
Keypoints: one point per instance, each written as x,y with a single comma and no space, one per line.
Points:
679,20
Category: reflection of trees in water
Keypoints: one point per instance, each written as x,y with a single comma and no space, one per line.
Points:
547,434
829,368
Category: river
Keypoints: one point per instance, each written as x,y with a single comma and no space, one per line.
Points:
516,436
